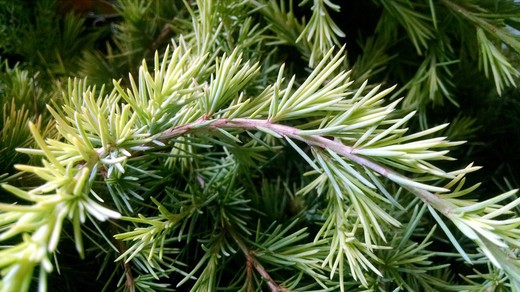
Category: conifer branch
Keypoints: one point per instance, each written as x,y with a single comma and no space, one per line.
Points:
424,192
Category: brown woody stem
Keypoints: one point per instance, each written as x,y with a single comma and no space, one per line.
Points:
253,263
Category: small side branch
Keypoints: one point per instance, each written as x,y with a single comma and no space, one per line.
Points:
129,283
129,278
162,38
252,263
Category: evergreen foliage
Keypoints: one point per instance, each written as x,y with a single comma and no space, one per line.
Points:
259,145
